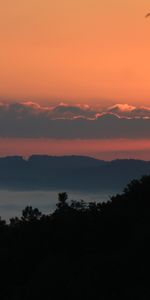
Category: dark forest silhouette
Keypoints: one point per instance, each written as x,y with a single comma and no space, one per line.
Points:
80,251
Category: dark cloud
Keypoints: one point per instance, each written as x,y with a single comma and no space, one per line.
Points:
67,111
30,120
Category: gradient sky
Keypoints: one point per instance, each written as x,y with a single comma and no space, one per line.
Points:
101,149
79,50
76,52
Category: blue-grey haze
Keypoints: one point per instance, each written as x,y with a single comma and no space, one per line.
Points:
13,202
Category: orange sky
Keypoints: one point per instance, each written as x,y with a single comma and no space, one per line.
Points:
78,50
101,149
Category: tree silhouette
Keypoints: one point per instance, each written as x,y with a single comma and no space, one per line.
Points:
14,221
2,222
78,205
62,201
30,214
101,248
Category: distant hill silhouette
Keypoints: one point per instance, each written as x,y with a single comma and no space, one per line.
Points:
69,173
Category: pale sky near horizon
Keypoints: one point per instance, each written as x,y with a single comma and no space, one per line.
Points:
78,50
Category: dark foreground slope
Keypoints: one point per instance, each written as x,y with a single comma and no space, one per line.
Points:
94,251
77,173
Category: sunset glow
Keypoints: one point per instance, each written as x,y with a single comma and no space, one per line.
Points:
102,149
75,51
75,71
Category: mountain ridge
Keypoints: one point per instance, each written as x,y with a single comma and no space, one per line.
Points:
81,173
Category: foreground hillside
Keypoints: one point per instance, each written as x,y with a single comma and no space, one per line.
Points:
77,173
81,251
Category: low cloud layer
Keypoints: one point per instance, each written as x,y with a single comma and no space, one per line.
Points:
31,120
125,110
